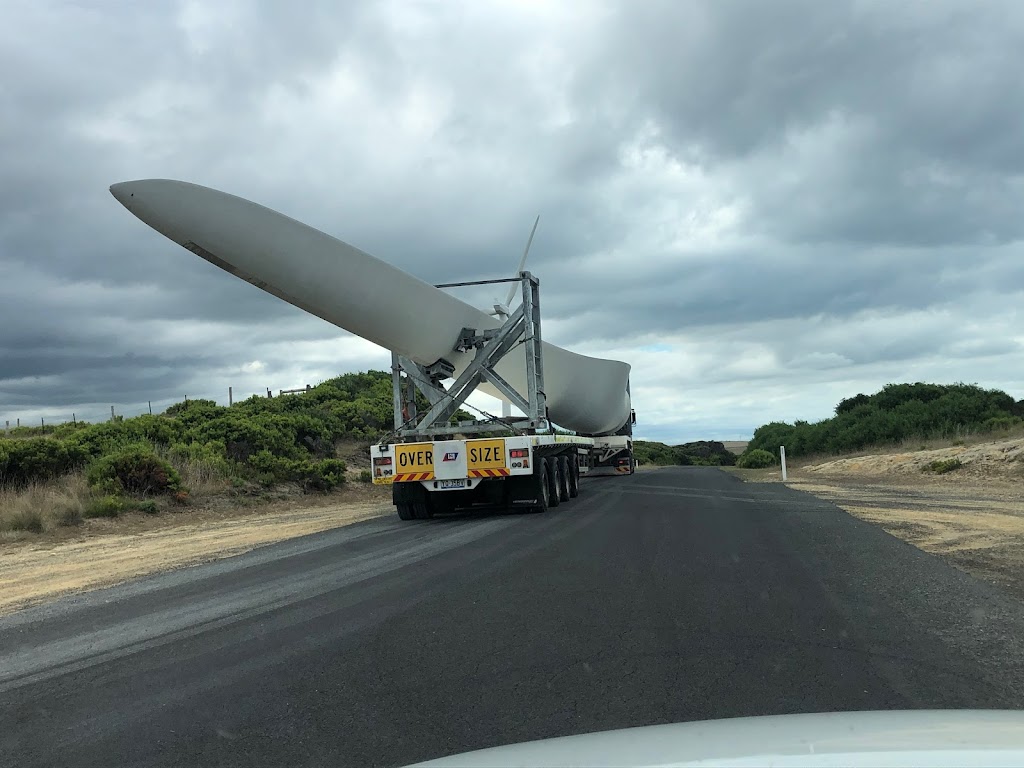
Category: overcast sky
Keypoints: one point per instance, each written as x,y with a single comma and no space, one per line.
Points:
763,207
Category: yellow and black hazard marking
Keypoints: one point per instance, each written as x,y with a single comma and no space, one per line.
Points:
409,477
498,472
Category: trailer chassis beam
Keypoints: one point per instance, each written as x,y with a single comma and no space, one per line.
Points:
521,328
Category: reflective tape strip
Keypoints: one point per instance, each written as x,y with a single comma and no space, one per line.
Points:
409,477
503,472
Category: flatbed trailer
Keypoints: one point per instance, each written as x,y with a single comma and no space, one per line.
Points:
434,465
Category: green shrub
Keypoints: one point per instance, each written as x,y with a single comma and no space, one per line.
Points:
365,476
68,514
700,453
105,437
942,466
756,459
1000,423
269,468
37,459
104,506
24,520
324,475
135,470
898,412
62,431
148,506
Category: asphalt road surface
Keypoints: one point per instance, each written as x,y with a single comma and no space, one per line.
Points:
673,595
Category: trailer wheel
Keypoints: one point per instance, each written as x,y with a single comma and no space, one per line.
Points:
551,463
563,478
405,512
574,476
421,510
542,478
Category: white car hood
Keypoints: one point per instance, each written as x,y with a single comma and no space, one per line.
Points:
898,738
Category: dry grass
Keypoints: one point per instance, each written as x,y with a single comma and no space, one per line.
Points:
962,438
998,459
200,478
66,501
43,506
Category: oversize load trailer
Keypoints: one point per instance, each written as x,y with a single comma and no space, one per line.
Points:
527,471
418,323
439,465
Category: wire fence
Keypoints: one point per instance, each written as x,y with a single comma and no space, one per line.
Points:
50,419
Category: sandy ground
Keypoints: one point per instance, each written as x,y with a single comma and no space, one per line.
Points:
736,446
973,516
39,569
998,459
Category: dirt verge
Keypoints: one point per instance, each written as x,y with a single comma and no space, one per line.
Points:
978,527
106,552
972,513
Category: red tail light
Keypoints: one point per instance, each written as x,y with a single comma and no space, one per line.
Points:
519,453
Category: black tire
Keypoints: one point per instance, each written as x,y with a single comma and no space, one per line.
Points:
541,478
422,510
563,478
551,463
405,512
574,476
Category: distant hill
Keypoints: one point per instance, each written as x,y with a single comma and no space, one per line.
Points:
896,413
699,453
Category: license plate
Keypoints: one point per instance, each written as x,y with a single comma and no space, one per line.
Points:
452,483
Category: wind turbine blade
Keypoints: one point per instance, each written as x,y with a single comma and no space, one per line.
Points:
522,261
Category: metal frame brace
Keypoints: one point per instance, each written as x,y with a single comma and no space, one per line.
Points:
521,327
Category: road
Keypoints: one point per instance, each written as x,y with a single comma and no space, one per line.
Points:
672,595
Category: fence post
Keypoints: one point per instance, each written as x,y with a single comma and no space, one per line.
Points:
74,420
111,413
7,428
42,423
230,397
19,421
782,455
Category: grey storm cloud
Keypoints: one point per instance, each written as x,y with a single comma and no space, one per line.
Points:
800,198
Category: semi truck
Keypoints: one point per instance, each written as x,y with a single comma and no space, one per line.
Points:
436,464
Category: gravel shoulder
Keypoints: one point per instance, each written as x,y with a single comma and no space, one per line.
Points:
977,526
102,553
972,516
